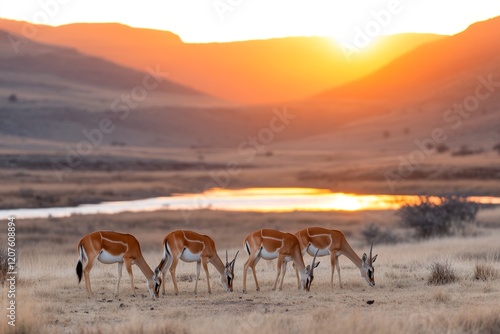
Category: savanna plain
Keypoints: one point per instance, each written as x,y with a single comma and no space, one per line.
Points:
50,300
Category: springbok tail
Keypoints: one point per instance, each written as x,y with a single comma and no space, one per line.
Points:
166,260
247,247
79,265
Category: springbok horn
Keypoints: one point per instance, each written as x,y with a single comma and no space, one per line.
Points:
314,261
234,260
371,249
228,261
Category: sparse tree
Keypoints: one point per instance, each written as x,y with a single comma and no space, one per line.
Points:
438,216
12,98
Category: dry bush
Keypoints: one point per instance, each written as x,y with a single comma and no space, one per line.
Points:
464,150
485,272
442,273
428,218
4,266
497,148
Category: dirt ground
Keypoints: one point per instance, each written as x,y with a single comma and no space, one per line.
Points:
50,300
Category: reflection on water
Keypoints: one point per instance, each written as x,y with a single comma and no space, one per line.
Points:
250,199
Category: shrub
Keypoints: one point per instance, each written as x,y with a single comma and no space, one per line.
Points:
442,148
497,148
485,272
12,98
4,266
441,274
464,151
438,216
373,232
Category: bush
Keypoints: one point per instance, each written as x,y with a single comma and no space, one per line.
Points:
497,148
442,148
4,266
485,272
373,232
441,274
438,216
464,151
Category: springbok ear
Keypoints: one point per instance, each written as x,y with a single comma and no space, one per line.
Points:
308,267
316,264
374,258
364,257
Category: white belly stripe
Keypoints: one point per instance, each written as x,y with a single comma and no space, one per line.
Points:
187,256
268,255
311,250
108,258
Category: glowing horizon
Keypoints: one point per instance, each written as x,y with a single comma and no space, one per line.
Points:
218,21
245,200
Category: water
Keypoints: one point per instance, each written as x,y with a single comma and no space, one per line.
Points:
250,199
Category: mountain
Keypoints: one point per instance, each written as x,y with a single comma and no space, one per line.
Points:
260,71
50,94
38,68
447,66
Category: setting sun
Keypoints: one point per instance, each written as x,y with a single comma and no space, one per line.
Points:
222,20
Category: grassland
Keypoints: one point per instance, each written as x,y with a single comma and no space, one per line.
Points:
50,300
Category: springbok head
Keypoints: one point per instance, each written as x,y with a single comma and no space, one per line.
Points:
228,277
367,271
310,272
156,282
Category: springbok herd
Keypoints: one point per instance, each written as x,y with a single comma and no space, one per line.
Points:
112,247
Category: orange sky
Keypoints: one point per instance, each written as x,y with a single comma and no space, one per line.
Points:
229,20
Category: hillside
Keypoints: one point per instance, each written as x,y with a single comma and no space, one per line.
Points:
450,64
260,71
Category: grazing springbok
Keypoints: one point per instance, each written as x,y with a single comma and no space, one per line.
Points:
190,246
112,247
321,241
271,244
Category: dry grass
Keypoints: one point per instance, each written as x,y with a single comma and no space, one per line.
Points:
51,301
442,273
4,266
485,272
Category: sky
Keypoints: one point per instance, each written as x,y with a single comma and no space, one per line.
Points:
233,20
